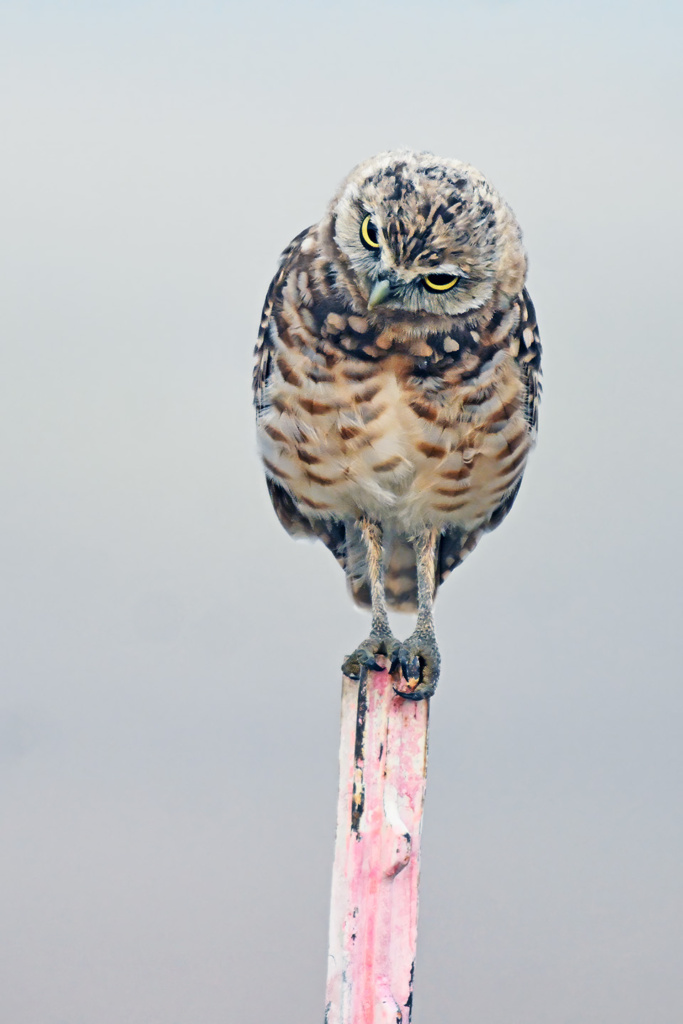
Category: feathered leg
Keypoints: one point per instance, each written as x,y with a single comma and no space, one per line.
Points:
381,639
418,659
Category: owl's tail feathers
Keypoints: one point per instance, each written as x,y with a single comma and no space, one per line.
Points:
400,581
400,573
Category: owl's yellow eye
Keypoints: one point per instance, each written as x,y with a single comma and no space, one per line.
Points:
440,282
368,235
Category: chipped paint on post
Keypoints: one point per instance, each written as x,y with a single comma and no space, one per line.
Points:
373,917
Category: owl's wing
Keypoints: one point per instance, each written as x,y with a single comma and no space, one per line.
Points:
529,358
454,545
264,346
333,532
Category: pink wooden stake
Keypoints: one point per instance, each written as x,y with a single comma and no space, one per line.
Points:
373,917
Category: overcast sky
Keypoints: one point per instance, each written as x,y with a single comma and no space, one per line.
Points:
169,674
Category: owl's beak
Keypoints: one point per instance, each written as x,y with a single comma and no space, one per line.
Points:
380,293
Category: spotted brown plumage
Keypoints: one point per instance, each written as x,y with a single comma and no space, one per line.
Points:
396,385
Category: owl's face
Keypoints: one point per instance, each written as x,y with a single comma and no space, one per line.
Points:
424,235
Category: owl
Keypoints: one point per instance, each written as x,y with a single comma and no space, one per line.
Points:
396,387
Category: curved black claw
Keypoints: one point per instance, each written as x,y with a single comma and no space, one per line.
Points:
417,661
364,656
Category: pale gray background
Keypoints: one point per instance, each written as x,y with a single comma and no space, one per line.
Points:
170,659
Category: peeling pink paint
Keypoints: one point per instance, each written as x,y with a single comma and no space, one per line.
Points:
373,917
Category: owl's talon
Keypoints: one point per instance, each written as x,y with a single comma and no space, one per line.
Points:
417,661
365,655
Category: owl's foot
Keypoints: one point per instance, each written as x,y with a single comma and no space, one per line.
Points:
417,661
365,655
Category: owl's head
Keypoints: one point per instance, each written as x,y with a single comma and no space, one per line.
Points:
425,235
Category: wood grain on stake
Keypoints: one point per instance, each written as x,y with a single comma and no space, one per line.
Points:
373,918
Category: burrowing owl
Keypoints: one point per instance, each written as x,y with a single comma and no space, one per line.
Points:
396,387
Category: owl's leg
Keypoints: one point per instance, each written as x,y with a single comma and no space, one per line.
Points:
381,639
417,658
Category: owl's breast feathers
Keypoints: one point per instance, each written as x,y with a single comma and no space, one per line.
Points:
368,414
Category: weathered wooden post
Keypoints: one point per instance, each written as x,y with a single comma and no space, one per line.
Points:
373,917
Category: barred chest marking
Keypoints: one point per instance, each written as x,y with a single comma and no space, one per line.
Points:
349,437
